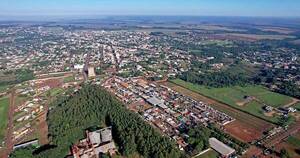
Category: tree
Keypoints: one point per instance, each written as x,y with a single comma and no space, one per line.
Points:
284,153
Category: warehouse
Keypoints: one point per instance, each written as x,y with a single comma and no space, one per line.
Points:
221,148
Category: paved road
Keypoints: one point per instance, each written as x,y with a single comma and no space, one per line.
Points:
86,67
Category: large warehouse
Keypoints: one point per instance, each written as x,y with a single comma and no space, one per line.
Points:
221,148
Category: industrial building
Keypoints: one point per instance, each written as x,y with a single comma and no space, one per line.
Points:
224,150
96,143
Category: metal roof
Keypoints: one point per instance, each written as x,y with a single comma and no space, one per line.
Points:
157,102
220,147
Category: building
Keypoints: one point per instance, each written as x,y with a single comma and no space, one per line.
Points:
157,102
91,72
224,150
29,143
96,143
78,67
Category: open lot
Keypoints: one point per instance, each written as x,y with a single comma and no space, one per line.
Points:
241,132
4,104
249,99
244,122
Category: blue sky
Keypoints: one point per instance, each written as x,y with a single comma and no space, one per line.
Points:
275,8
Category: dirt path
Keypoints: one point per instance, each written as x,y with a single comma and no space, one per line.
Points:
295,101
244,118
43,129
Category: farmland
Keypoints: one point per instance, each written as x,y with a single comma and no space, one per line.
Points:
258,37
4,104
235,97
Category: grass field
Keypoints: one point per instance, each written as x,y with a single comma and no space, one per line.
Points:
69,79
235,95
4,104
297,106
294,141
3,88
209,154
55,91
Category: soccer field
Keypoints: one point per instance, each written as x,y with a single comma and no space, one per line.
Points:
235,96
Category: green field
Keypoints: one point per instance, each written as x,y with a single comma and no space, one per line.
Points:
235,95
210,154
4,104
3,88
55,91
69,79
297,106
294,141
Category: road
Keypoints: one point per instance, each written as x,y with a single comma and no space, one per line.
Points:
86,67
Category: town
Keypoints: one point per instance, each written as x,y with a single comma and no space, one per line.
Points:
164,76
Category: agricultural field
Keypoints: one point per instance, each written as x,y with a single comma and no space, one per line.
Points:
4,105
258,37
250,99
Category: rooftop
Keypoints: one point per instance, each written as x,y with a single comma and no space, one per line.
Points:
220,147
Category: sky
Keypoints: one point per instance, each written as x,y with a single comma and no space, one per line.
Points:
253,8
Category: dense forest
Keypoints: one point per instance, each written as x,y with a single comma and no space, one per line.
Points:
93,106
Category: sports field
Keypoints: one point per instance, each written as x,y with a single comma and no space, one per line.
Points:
4,104
250,99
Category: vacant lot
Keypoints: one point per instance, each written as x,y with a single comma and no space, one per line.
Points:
242,132
244,123
4,104
238,97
